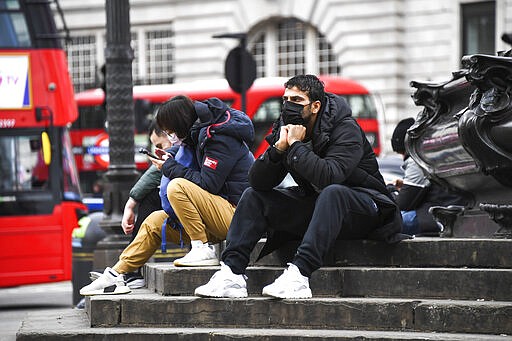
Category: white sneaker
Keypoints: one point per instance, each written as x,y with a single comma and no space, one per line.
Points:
200,255
132,280
224,283
109,283
291,284
94,275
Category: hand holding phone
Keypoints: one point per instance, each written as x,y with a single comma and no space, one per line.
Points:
148,153
162,154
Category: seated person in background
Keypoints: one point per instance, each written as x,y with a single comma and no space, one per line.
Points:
415,194
144,199
144,193
97,189
203,200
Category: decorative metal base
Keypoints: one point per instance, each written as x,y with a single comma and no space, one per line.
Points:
502,215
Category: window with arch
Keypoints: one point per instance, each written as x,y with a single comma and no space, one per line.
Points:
153,61
289,47
81,53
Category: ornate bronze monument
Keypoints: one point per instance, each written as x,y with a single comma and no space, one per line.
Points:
463,139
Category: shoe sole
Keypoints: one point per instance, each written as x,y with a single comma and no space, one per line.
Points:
297,295
117,291
136,284
207,262
241,293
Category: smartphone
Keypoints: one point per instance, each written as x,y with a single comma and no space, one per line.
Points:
148,153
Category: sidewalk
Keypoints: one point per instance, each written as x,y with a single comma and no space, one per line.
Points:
16,302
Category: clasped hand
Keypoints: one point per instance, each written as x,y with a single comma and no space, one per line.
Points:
289,134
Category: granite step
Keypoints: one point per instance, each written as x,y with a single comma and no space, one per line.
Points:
73,324
450,283
417,252
143,308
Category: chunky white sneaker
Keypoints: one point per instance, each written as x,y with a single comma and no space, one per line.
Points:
132,280
291,284
200,255
94,275
109,283
224,283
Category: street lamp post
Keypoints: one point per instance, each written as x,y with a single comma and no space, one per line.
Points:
121,173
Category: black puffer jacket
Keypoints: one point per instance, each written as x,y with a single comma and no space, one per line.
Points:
338,146
220,137
338,153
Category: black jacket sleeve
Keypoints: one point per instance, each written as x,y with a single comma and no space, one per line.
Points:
342,155
267,170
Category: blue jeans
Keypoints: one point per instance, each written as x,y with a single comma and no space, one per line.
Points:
410,223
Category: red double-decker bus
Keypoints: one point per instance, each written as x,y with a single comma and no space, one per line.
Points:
40,199
263,105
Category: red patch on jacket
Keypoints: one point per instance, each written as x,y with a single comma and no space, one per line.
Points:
210,163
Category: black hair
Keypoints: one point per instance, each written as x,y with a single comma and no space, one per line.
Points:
398,138
153,127
310,84
177,115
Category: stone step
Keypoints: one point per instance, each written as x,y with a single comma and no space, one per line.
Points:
143,308
417,252
73,324
487,284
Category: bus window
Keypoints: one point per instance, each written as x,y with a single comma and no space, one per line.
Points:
269,110
364,110
90,117
13,26
362,106
22,163
266,114
143,111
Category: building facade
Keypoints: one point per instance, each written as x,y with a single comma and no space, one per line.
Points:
383,44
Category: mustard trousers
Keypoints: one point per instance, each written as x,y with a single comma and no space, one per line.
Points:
204,216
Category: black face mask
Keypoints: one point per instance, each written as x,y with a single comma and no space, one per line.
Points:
292,113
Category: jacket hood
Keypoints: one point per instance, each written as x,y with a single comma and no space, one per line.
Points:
332,112
214,117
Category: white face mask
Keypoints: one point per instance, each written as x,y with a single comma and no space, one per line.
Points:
174,139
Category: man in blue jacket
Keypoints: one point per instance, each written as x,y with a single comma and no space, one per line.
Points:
203,199
340,193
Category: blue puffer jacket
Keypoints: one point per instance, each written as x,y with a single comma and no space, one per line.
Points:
221,138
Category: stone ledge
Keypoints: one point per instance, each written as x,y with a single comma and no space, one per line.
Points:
489,284
420,251
145,309
73,324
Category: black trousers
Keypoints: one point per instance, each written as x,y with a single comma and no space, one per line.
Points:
338,212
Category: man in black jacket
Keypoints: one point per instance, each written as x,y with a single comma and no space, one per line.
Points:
340,193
